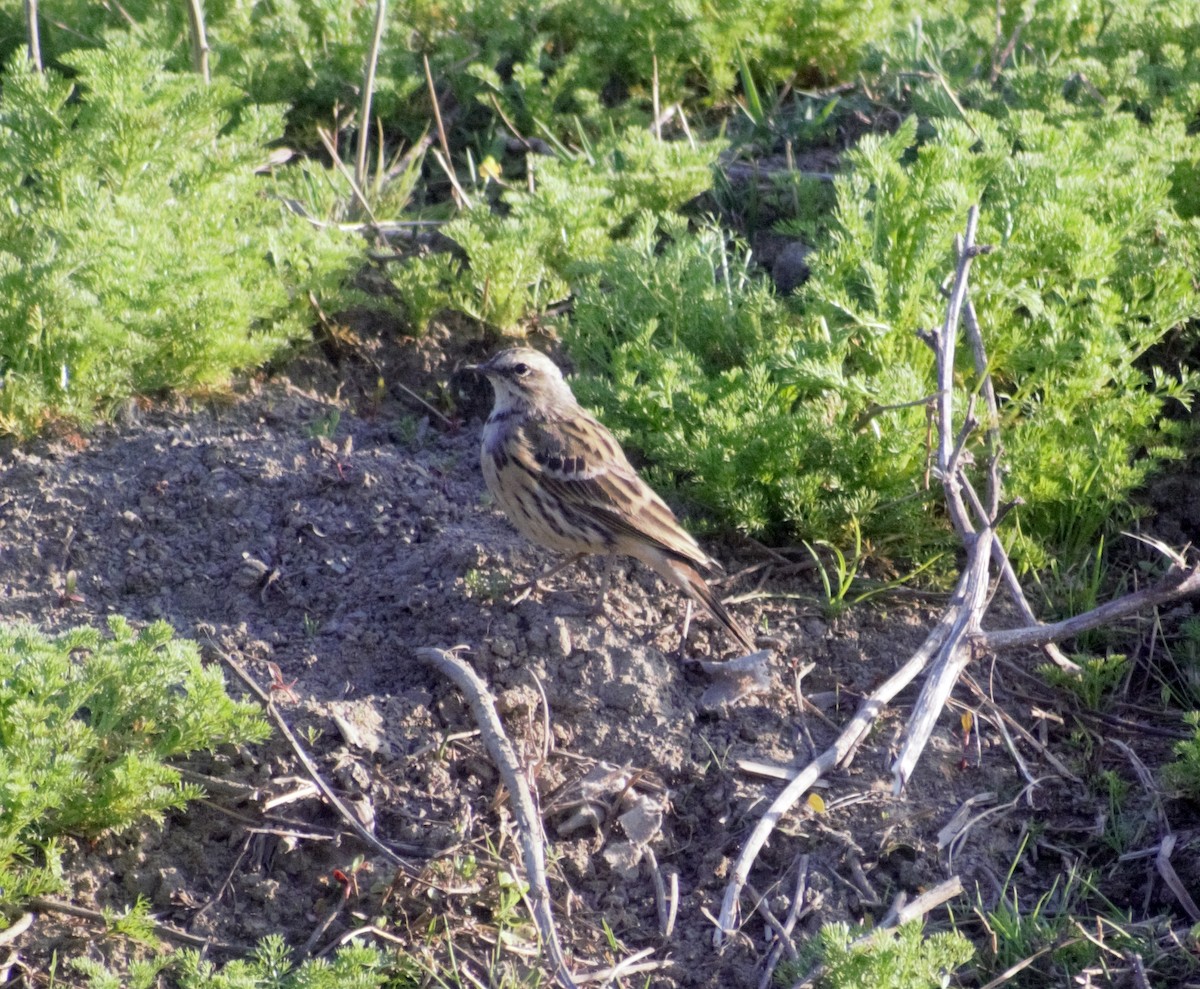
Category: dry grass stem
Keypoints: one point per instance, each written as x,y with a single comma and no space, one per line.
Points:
33,38
346,814
368,92
198,36
528,822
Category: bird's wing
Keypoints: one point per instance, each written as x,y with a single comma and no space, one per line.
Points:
580,462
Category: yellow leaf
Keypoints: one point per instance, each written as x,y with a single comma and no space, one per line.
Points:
815,803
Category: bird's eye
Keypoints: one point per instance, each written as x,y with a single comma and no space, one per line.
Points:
520,370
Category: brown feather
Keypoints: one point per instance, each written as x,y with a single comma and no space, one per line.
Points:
563,480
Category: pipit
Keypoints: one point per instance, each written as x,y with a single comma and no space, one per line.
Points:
563,480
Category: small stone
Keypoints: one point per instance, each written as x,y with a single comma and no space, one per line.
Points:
790,269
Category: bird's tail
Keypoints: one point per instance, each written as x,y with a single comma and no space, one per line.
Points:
689,580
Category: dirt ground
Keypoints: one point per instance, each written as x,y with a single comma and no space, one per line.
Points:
306,524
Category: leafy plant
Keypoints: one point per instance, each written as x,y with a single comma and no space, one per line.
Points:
1184,773
352,966
812,424
521,260
903,958
1098,677
140,252
87,724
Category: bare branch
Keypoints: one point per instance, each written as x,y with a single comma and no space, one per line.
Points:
950,661
33,38
529,822
947,337
1176,584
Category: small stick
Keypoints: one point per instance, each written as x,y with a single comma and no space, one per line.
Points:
672,905
322,927
216,898
1162,862
16,928
951,660
446,421
1003,716
460,194
331,148
364,123
199,39
773,922
901,913
311,768
794,912
529,825
166,930
946,340
626,967
1176,584
443,160
666,912
654,99
33,37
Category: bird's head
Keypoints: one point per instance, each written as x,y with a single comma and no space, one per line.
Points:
523,378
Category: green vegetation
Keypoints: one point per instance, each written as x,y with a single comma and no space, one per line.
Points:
139,250
902,958
795,418
270,967
88,723
153,238
1184,773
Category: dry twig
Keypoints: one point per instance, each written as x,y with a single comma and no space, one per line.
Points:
310,767
33,39
199,39
529,823
958,636
368,92
47,905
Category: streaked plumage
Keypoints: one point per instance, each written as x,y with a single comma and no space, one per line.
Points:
562,479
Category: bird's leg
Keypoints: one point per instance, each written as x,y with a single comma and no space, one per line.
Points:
524,590
606,574
684,628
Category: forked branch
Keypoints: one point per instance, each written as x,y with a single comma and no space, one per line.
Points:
958,635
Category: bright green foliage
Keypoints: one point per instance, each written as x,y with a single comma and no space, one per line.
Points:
545,63
902,958
138,249
353,966
776,419
86,725
1184,773
1076,58
679,338
527,258
1020,929
1093,269
1099,677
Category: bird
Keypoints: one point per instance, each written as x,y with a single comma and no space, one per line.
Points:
562,479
